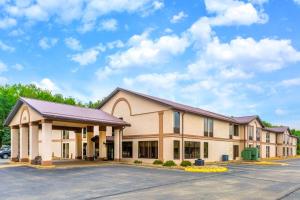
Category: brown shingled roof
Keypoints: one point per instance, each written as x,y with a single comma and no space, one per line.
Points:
278,129
60,111
173,105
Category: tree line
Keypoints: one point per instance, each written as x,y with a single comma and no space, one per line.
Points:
9,95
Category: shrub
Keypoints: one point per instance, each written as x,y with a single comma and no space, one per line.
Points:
138,162
185,163
169,163
157,162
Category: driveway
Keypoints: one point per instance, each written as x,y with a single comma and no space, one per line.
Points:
122,182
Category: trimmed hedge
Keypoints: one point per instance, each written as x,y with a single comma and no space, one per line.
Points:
185,163
169,163
158,162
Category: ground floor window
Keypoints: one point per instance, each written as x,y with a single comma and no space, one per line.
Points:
236,152
176,149
283,149
287,151
65,149
191,150
127,149
258,148
268,151
205,150
148,149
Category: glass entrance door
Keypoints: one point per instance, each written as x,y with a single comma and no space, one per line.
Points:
65,150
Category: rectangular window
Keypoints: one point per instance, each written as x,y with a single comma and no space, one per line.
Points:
250,132
84,130
287,151
65,150
65,135
283,151
258,147
258,133
268,151
112,131
205,149
191,150
231,131
148,149
267,137
236,130
208,127
127,149
176,149
176,122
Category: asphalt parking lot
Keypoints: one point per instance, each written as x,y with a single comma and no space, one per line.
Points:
125,182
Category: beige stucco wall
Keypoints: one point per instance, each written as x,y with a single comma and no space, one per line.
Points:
22,116
56,145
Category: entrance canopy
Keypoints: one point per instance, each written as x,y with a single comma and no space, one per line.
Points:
36,110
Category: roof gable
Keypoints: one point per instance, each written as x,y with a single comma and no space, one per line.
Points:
171,104
60,111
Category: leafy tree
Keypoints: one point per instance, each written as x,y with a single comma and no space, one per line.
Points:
267,124
9,95
297,134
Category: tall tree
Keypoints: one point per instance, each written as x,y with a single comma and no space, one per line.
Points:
9,94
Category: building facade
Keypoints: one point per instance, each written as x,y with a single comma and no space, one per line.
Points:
134,126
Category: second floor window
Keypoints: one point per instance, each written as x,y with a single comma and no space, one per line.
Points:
258,131
208,127
250,132
65,135
84,130
268,137
176,122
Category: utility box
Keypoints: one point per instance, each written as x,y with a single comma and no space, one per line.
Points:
199,162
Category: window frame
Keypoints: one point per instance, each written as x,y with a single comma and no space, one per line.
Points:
148,147
268,137
205,150
208,127
84,132
250,132
193,148
177,157
65,134
130,154
176,125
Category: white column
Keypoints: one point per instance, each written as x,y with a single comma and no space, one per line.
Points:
102,145
78,145
90,145
46,142
14,140
24,143
117,144
33,141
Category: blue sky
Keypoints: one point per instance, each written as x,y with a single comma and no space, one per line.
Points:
229,56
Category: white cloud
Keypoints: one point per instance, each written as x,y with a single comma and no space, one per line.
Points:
157,5
233,12
280,112
86,58
297,2
109,25
73,43
115,44
47,84
46,43
234,73
164,81
264,55
143,51
178,17
18,67
16,32
291,82
3,80
5,47
82,11
3,66
7,23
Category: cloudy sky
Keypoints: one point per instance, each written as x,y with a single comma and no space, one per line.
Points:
229,56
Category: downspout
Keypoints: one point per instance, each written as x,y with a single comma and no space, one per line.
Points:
244,136
182,132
